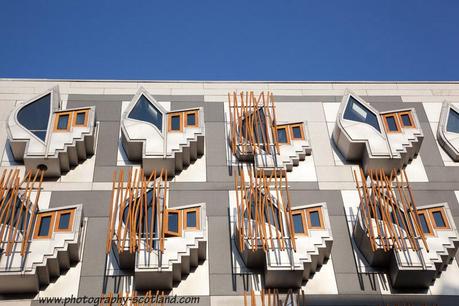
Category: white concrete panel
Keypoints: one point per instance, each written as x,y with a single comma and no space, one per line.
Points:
66,285
416,171
323,282
447,284
320,143
295,112
331,111
83,172
433,111
196,283
195,172
304,172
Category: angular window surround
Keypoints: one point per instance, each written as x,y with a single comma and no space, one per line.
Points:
161,144
358,136
448,130
42,134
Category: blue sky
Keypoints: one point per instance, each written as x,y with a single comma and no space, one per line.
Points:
230,40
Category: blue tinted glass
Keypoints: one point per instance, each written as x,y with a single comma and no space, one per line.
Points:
146,111
314,219
172,222
45,224
64,221
80,118
391,123
453,121
191,119
298,223
35,116
406,120
191,219
63,122
175,123
438,218
282,135
425,227
296,132
355,111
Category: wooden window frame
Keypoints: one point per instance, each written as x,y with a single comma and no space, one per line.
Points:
38,223
443,215
56,121
58,219
300,126
428,222
169,122
287,133
409,113
397,123
196,116
86,117
303,220
321,218
179,223
198,219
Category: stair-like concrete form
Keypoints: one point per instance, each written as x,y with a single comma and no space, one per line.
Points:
45,259
360,134
447,132
407,268
47,148
152,142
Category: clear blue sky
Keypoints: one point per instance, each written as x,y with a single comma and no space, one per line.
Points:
230,40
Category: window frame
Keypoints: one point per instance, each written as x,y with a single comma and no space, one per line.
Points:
443,215
196,118
169,122
58,219
38,219
321,218
86,117
428,222
198,219
303,221
287,133
386,124
292,135
410,115
56,121
166,223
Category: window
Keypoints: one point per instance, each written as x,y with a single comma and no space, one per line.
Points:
439,219
282,136
315,219
425,224
406,119
35,116
391,123
175,122
453,121
297,132
298,222
144,110
81,118
356,111
173,223
191,219
64,220
62,122
192,119
44,226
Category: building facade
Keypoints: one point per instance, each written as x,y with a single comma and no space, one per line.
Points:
236,193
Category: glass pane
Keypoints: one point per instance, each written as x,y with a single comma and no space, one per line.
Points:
191,219
391,123
314,219
81,118
438,218
406,120
144,110
296,132
355,111
453,121
191,119
282,135
45,223
175,123
64,221
425,227
172,222
63,122
298,223
35,116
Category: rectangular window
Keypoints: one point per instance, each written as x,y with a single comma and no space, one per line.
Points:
175,122
44,226
406,119
425,224
315,219
62,122
191,118
282,136
297,131
81,118
64,220
391,123
439,219
173,223
298,222
191,219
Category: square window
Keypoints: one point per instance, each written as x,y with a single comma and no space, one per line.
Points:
391,123
44,226
173,223
315,218
439,218
191,219
81,118
64,220
282,135
406,120
192,119
63,122
297,132
175,122
298,225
